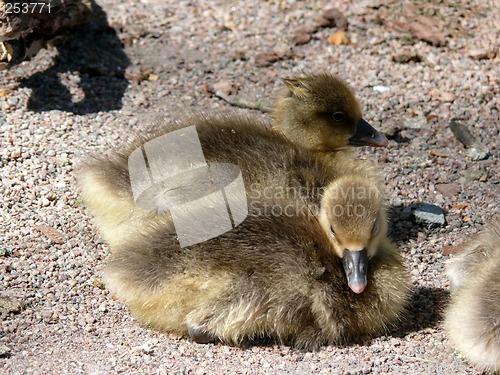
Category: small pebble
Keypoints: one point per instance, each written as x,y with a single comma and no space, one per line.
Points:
447,97
381,89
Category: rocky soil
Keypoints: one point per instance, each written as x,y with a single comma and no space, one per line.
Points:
415,66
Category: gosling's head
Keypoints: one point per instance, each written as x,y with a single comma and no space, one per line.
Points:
321,113
354,217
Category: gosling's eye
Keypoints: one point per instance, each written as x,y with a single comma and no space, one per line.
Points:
332,231
338,116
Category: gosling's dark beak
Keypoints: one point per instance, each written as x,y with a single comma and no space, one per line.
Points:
356,267
367,135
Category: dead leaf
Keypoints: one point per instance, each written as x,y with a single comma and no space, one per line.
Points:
481,54
153,77
424,29
459,206
265,59
448,249
338,38
51,233
301,38
438,153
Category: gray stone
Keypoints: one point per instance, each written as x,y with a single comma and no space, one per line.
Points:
478,152
429,215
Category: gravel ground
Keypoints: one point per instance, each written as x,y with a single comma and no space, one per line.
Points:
95,93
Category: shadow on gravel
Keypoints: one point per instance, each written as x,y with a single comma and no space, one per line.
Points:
400,136
402,226
95,54
425,310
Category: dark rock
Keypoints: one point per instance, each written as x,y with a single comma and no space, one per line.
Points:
429,215
407,57
336,15
324,22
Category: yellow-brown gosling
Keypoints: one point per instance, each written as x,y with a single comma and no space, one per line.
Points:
472,320
272,276
321,113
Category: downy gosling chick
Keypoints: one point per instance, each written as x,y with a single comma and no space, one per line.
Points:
315,112
271,277
472,320
321,113
269,163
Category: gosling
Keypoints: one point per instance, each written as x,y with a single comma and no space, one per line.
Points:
472,320
271,277
321,113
